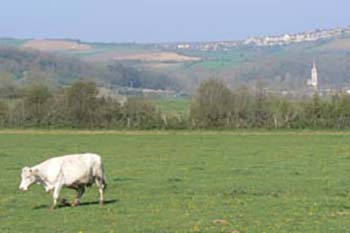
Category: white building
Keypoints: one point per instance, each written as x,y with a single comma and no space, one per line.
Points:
183,46
314,77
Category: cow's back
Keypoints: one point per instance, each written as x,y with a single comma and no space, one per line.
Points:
79,168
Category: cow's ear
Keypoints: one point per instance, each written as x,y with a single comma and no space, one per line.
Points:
34,171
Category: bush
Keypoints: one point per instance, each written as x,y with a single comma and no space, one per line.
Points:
3,113
210,107
141,113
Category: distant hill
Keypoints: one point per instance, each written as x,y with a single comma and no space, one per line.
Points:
30,66
282,65
285,67
56,45
25,67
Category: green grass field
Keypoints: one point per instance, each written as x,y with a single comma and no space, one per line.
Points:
183,181
179,106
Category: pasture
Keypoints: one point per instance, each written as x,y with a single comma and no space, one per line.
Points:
183,181
179,106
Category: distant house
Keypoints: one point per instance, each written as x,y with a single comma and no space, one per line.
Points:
183,46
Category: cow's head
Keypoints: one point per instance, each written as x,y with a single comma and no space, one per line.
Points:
28,179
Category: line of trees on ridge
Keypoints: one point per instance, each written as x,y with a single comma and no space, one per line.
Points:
214,106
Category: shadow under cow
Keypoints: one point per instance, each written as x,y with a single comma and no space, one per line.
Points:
82,204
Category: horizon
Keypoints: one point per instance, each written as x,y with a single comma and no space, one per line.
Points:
170,42
156,21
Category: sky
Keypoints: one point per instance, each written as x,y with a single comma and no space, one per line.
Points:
146,21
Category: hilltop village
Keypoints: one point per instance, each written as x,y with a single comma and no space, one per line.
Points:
284,39
296,38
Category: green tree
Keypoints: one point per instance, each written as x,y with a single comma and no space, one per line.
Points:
110,113
36,103
82,104
211,105
312,111
240,108
341,104
4,110
141,113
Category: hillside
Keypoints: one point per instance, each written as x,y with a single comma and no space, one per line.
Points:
56,45
22,67
280,66
101,52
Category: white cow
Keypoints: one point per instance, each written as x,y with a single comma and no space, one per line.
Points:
72,171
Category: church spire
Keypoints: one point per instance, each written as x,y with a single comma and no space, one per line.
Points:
314,76
314,65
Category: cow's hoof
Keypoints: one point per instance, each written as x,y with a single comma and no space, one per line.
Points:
75,203
64,202
102,203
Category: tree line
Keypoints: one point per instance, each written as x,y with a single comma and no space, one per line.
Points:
81,106
214,106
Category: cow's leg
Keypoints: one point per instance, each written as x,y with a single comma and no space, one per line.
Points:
56,194
101,187
80,192
101,196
